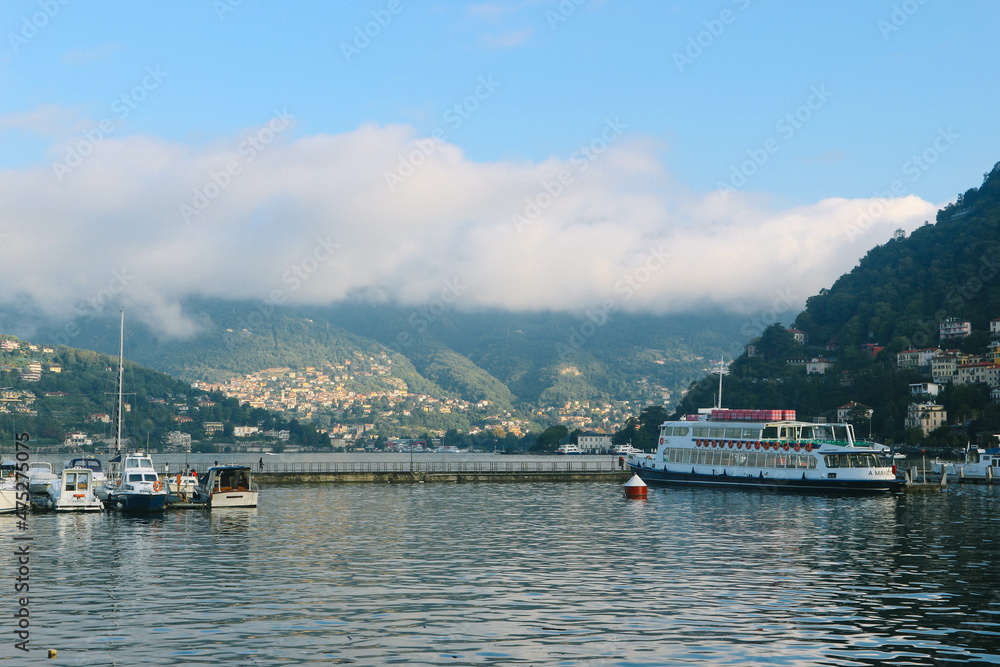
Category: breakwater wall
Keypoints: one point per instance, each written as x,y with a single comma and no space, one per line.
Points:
440,472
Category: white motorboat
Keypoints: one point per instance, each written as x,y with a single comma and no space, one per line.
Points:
41,479
75,492
978,464
181,487
139,488
569,448
89,462
8,487
227,486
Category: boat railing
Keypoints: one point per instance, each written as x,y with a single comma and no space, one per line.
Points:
442,467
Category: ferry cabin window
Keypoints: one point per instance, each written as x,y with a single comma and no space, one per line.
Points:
81,482
70,481
135,477
716,432
131,463
851,461
751,434
150,477
681,430
700,432
770,432
732,433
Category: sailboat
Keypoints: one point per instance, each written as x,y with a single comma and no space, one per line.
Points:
137,487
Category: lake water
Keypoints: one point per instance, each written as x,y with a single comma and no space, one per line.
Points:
532,574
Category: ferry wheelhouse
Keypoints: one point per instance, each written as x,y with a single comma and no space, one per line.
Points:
764,448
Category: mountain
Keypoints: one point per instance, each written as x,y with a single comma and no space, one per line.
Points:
49,392
894,299
519,363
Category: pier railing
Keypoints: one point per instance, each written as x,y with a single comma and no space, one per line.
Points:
513,467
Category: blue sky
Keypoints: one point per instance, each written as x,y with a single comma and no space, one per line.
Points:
811,114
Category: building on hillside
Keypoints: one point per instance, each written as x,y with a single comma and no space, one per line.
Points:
846,411
995,395
993,352
916,359
594,442
944,367
245,431
931,389
981,372
818,366
799,336
211,428
872,349
995,327
953,327
179,441
926,416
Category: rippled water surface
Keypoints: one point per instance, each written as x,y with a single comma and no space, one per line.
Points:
534,574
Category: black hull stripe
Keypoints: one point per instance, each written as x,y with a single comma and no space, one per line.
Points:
666,478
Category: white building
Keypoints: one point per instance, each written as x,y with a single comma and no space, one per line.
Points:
818,366
594,442
178,440
925,389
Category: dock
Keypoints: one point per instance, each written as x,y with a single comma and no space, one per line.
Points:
459,472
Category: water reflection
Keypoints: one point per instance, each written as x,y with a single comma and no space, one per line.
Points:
544,574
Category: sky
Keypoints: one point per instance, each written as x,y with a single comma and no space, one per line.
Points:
577,155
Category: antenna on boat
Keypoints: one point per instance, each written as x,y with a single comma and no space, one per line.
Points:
719,400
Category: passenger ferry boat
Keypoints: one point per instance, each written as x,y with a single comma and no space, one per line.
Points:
764,448
569,448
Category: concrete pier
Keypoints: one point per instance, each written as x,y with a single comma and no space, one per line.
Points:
440,472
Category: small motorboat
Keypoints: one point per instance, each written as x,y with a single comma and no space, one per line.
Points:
227,486
41,479
75,492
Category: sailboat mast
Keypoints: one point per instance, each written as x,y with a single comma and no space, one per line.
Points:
121,376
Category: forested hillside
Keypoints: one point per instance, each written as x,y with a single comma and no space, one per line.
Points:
893,300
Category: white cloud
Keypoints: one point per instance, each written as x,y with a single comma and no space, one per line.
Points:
312,220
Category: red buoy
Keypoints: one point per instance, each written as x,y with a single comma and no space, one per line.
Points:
635,488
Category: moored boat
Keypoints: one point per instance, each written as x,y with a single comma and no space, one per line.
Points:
8,487
764,448
977,464
138,488
227,486
75,491
569,448
41,479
